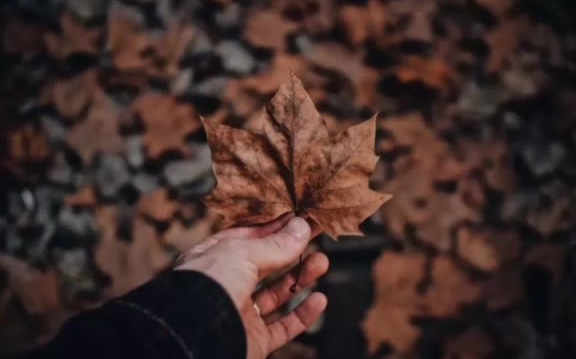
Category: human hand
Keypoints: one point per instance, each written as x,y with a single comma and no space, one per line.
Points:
239,258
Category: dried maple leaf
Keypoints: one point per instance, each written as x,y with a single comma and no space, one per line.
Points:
294,165
72,97
73,38
163,132
133,49
98,132
128,264
157,205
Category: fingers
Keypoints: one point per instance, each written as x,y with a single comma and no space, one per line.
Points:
280,248
271,298
296,322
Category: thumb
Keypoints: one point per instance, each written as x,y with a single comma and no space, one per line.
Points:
281,248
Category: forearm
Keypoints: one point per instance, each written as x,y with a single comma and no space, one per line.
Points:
177,315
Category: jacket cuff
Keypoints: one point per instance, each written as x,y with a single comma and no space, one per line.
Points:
192,310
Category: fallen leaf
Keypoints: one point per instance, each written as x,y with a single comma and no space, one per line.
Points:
74,38
268,29
404,290
487,249
391,325
433,72
425,160
72,96
396,277
363,22
134,49
97,132
157,205
450,288
165,132
38,291
28,144
128,264
472,344
294,165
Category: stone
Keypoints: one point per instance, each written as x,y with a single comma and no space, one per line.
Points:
134,150
110,174
182,172
229,17
55,131
80,223
87,9
543,158
235,57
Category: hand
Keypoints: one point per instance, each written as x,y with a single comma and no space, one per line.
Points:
239,258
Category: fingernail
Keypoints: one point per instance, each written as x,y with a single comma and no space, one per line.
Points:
298,227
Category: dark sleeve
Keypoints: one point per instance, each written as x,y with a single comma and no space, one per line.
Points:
179,315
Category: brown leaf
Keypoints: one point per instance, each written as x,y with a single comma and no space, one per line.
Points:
28,144
268,29
38,291
129,264
390,324
157,205
97,132
133,49
165,132
418,204
294,165
396,277
486,249
472,344
400,296
433,72
74,38
73,96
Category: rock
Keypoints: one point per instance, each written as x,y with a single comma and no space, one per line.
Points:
78,223
188,171
201,43
213,86
182,81
478,103
145,182
110,174
235,57
134,150
543,158
76,274
62,173
229,17
87,9
299,43
55,131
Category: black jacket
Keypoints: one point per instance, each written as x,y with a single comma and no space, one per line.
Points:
179,315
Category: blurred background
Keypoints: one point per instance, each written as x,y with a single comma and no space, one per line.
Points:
103,160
